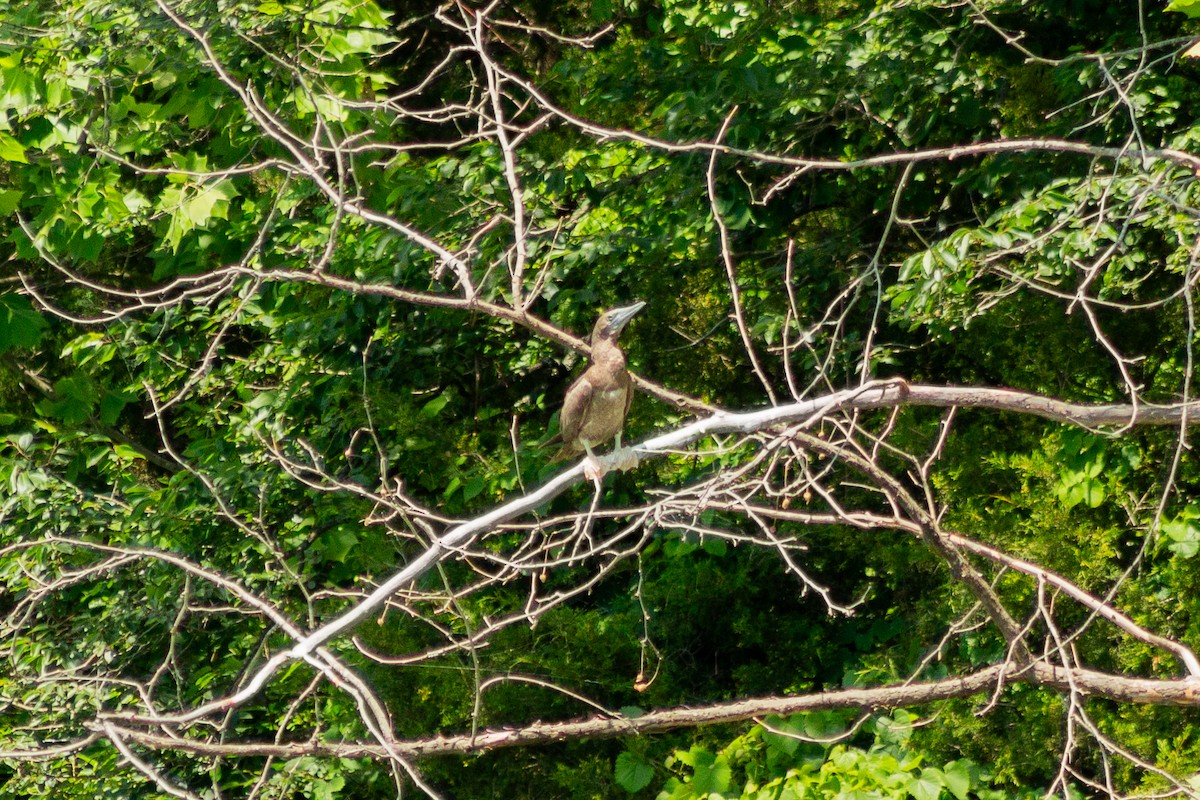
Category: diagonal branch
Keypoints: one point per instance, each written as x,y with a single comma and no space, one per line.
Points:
875,395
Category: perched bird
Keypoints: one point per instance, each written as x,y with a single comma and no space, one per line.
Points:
596,404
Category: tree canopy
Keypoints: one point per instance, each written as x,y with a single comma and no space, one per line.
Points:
290,293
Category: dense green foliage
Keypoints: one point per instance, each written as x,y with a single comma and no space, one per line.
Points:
284,294
777,765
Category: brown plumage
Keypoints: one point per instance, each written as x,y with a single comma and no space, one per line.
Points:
596,404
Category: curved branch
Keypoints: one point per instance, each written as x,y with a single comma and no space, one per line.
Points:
1026,145
1122,621
1097,605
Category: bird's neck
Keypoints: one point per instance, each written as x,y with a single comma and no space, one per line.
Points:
606,353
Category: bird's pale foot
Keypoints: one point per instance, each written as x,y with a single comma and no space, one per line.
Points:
593,469
596,467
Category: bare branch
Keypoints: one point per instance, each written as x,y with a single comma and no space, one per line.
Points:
1090,683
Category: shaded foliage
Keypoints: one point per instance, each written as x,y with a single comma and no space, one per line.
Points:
205,205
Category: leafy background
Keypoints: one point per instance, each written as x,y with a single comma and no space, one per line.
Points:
128,163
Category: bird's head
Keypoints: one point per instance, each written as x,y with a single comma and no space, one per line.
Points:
613,321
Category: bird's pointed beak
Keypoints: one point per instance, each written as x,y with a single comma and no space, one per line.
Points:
619,317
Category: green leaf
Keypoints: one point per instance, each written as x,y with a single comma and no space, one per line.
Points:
328,789
632,772
10,201
75,398
434,406
20,325
928,786
1188,7
125,452
11,149
1084,467
958,777
896,729
824,724
90,348
337,544
473,487
1091,492
679,545
111,405
192,206
1182,534
711,775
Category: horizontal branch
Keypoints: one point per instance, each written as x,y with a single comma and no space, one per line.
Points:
1087,415
895,393
1144,691
949,153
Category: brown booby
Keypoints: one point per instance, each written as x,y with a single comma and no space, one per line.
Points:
596,404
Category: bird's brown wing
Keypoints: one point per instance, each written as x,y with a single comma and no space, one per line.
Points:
570,420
